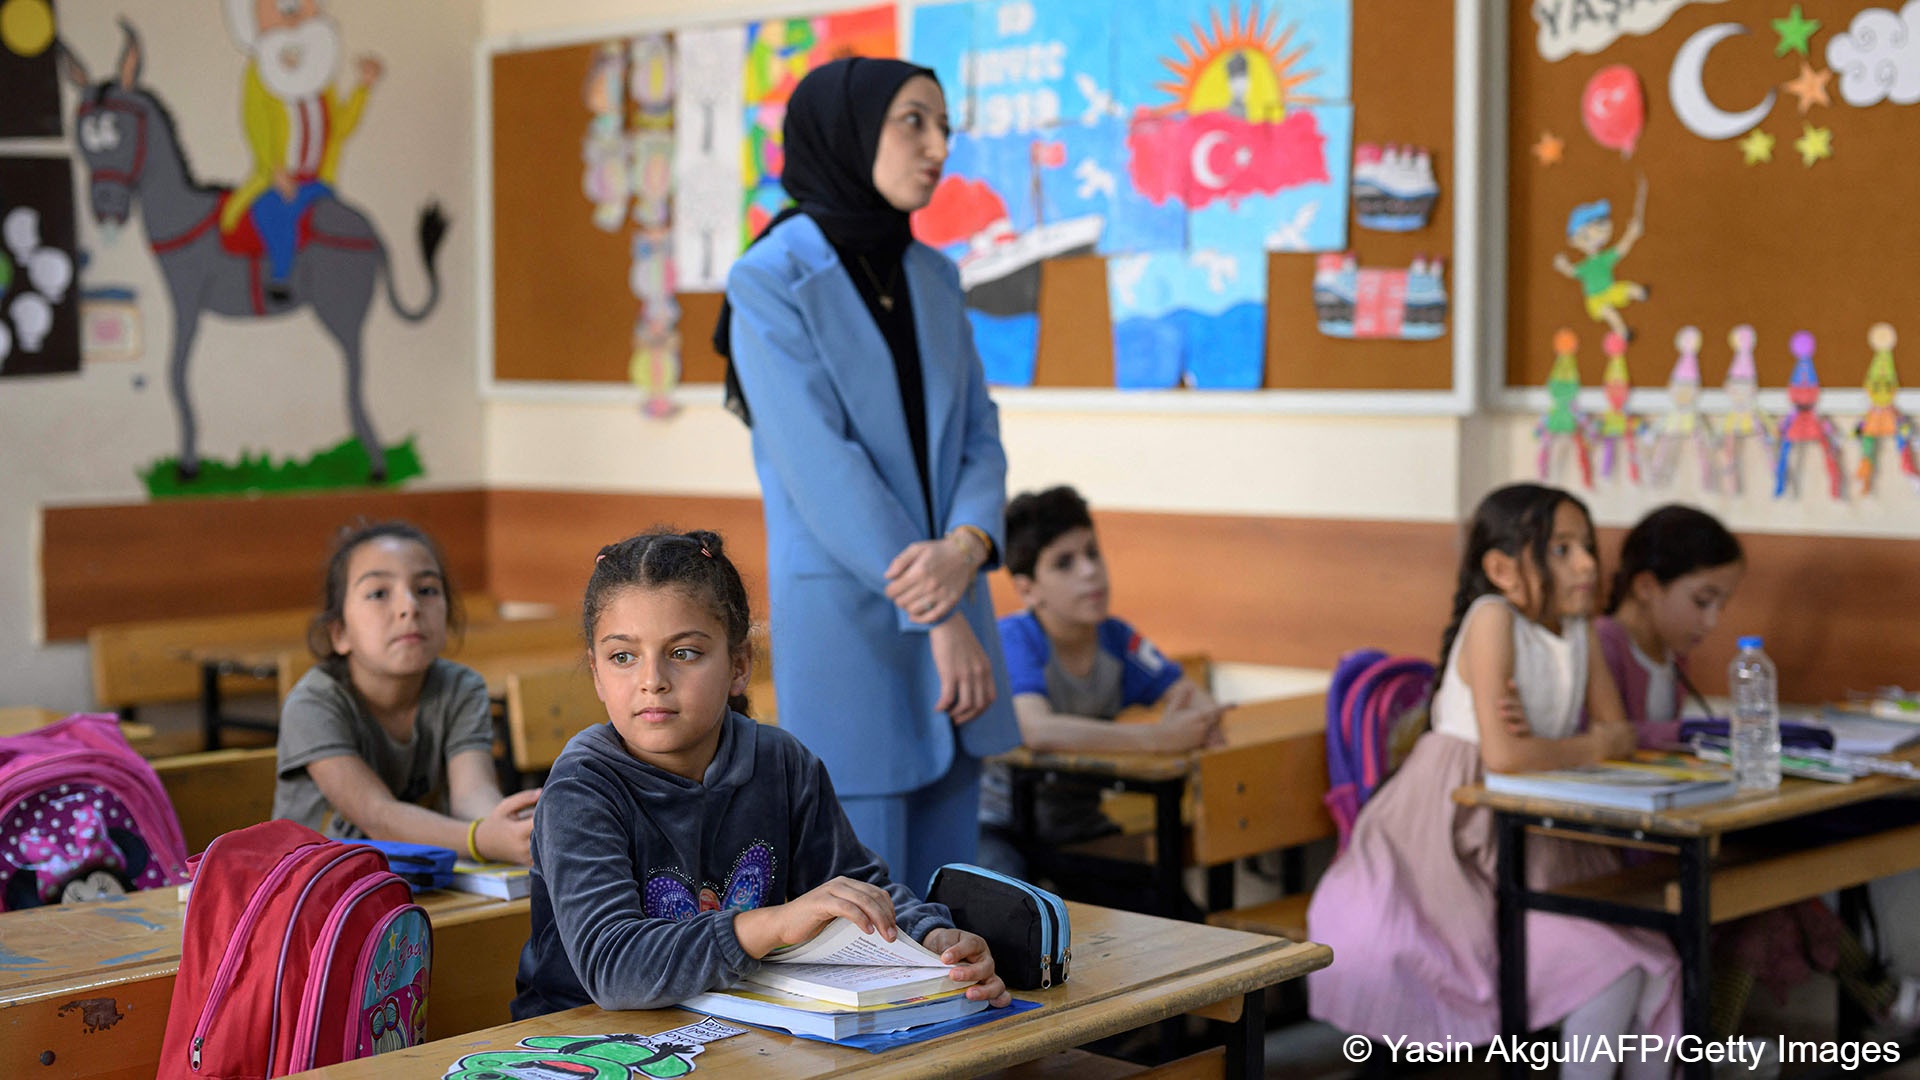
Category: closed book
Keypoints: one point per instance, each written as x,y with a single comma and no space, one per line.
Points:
1624,785
767,1007
506,881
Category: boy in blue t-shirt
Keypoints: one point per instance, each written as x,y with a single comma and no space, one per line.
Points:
1072,669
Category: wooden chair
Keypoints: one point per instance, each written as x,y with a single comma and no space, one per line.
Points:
150,663
219,790
544,710
1256,798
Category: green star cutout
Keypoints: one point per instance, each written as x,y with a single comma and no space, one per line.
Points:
1795,31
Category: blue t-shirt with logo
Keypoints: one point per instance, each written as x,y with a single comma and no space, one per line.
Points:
1127,671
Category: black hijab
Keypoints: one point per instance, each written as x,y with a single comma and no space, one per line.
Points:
830,137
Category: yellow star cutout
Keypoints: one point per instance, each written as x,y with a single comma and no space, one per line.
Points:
1757,147
1815,145
1548,149
1810,87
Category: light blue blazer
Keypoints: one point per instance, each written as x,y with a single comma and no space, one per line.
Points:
854,676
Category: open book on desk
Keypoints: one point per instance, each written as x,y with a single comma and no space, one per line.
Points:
1648,782
845,966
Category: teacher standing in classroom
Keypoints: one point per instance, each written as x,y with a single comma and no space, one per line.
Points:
881,471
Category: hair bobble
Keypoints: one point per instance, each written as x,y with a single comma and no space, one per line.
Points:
704,551
600,558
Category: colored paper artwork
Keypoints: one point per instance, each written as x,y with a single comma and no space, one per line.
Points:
654,364
707,114
1085,170
983,216
39,305
1195,318
1283,185
779,52
1744,417
603,151
1806,425
1255,60
1884,421
1687,92
109,324
1037,64
1565,27
1350,302
1242,114
625,1056
1394,188
1876,58
29,76
942,39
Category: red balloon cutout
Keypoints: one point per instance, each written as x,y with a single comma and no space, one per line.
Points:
1613,108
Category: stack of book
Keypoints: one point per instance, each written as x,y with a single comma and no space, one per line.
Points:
1648,782
843,983
504,881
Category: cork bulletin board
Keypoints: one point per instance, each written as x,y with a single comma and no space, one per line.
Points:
1778,243
562,310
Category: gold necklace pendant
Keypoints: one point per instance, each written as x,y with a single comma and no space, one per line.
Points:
883,293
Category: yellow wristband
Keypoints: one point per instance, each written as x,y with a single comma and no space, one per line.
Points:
473,835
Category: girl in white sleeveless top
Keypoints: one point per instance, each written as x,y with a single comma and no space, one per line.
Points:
1409,906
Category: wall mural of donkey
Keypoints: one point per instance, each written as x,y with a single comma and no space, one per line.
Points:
132,150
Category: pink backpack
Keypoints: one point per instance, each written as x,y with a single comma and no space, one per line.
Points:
82,816
298,952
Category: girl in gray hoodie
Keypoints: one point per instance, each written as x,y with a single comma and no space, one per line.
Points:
680,842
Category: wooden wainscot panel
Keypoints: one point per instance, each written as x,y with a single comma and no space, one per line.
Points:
220,556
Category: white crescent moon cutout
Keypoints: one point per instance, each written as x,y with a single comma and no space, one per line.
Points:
1202,160
1689,93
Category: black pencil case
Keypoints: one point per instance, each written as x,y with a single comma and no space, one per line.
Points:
1024,925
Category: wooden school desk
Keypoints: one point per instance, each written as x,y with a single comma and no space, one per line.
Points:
1708,876
84,988
1166,777
1128,971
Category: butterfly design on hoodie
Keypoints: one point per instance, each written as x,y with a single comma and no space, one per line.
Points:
668,895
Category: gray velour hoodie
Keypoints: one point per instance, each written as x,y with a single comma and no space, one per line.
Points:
637,873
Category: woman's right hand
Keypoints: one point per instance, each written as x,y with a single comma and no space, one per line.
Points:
506,833
966,675
867,906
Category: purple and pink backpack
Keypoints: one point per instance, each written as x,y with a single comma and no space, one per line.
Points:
297,952
82,816
1371,692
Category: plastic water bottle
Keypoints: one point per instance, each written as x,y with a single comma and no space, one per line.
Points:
1755,727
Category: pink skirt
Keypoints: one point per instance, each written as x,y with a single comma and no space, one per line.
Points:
1408,910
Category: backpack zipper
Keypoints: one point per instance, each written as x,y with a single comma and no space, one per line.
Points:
236,949
306,1034
286,940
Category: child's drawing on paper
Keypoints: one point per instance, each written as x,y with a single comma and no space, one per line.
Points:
1806,425
1884,420
1589,230
1618,430
1241,114
1683,421
1744,416
1563,422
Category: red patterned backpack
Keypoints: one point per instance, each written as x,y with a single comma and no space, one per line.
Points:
299,952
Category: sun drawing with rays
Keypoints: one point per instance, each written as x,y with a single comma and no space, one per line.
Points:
1249,66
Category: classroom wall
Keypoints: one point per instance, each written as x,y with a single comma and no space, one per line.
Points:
274,386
